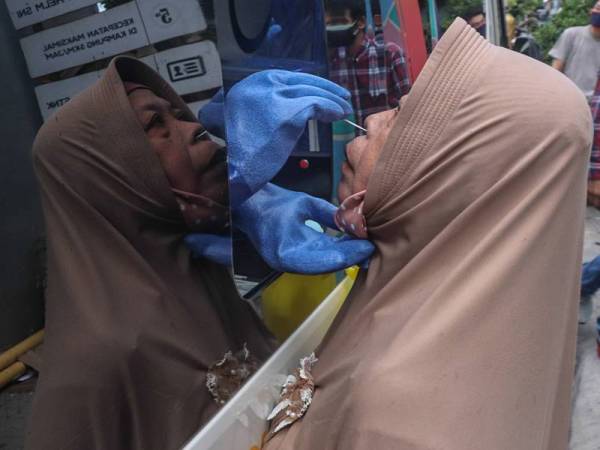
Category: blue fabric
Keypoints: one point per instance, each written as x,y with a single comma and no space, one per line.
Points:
212,115
590,277
210,246
265,116
274,221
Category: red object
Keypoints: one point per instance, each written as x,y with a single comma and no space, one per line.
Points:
414,40
304,164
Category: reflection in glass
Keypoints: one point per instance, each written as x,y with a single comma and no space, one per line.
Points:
362,60
346,42
366,56
277,34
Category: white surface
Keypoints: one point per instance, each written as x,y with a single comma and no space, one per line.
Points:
242,421
25,13
106,34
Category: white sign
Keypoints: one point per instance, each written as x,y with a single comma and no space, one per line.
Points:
51,96
99,36
115,31
190,68
25,13
166,19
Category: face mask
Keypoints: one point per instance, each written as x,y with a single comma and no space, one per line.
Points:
349,216
201,214
341,35
481,30
595,20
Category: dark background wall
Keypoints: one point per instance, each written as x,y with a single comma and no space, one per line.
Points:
21,226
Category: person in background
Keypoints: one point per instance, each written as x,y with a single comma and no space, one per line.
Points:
590,275
593,197
511,27
577,53
378,28
590,283
476,18
374,72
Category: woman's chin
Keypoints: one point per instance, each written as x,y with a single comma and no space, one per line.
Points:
214,184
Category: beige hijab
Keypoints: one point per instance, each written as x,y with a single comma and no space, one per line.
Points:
461,334
132,323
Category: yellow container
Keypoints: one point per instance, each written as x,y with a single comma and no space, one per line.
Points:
290,299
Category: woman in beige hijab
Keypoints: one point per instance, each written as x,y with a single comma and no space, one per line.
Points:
132,324
461,333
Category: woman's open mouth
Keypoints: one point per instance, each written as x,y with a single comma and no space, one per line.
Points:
219,157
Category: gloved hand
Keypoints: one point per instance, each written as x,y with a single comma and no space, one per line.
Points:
210,246
274,221
212,115
265,115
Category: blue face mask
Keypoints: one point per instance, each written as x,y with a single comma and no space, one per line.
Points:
595,20
481,30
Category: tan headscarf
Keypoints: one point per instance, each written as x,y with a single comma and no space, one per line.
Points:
132,323
461,334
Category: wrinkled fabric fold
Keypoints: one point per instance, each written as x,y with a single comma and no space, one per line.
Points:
461,334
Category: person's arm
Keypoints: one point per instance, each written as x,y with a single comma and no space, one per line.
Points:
558,64
398,78
560,51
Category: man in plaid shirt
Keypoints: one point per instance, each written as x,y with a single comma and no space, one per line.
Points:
374,72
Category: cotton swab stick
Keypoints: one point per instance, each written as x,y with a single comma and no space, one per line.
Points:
355,125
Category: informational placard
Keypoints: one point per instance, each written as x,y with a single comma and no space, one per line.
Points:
165,19
190,68
115,31
28,12
52,96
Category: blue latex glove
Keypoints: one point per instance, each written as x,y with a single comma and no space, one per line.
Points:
210,246
265,115
212,115
274,221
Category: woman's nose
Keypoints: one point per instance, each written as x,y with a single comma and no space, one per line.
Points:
370,120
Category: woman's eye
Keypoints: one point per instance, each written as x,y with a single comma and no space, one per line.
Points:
154,121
